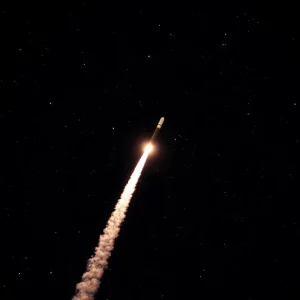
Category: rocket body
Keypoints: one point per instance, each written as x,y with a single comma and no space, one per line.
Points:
157,129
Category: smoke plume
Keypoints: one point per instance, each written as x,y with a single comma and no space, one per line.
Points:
91,279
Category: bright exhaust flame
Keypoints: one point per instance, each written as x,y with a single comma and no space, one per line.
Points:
149,148
91,279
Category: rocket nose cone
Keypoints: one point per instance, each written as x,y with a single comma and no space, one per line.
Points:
161,120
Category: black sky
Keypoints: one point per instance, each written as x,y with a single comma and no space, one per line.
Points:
216,208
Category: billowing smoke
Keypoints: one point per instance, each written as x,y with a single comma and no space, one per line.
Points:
91,279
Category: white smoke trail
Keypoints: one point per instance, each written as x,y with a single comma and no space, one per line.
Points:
87,288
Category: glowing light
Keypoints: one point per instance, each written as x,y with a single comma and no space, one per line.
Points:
149,148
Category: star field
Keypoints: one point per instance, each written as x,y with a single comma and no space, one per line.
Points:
216,207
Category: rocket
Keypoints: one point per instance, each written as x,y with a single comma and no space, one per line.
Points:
157,129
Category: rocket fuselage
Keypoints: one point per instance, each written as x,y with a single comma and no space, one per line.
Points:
157,129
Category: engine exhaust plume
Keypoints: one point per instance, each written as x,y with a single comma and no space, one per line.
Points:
91,279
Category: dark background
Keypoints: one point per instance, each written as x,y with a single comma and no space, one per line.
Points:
216,208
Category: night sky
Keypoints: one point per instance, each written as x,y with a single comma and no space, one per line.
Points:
216,208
